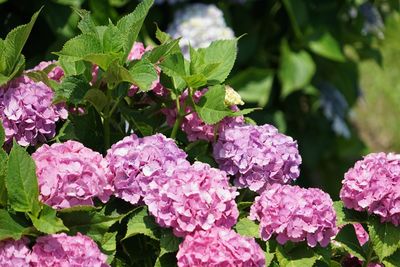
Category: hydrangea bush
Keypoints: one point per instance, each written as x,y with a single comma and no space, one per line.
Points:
118,154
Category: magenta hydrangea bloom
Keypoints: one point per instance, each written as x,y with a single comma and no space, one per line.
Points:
192,198
136,53
60,250
14,253
361,234
70,174
295,214
257,156
373,185
134,162
193,126
219,247
27,111
56,73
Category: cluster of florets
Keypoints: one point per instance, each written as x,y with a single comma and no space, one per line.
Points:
192,124
134,162
27,112
70,174
373,185
14,253
199,25
219,247
257,156
295,214
192,198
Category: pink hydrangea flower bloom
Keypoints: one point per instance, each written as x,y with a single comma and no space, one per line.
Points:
295,214
373,185
60,250
219,247
361,234
193,126
70,174
192,198
14,253
56,74
257,156
134,162
27,111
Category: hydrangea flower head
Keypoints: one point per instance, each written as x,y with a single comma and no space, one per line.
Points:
219,247
14,253
192,198
257,156
295,214
56,73
199,25
70,174
60,250
134,162
193,126
373,185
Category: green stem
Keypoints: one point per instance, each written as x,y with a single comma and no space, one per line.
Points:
368,259
106,123
178,120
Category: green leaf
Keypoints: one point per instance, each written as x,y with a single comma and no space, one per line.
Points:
72,89
3,174
169,242
196,80
254,85
91,223
108,245
10,226
21,181
86,24
175,67
393,260
97,98
247,227
385,237
161,36
166,260
296,69
298,15
131,24
10,54
141,223
2,134
324,44
160,52
300,256
347,238
143,74
41,76
345,216
102,60
270,247
48,222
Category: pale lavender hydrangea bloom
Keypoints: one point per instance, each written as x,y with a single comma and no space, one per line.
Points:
295,214
193,126
14,253
257,156
70,174
60,250
27,111
192,198
373,185
219,247
134,162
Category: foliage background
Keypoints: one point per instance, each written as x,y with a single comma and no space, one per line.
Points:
306,63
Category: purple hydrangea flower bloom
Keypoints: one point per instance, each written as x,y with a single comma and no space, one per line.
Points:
192,198
14,253
295,214
257,156
219,247
134,162
60,250
373,185
70,174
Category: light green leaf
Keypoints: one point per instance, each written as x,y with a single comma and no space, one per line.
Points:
345,216
86,24
2,134
48,222
385,237
113,40
324,44
175,67
41,76
80,46
161,36
72,89
160,52
143,74
102,60
131,24
3,173
21,181
347,238
97,98
247,227
10,226
108,245
300,256
142,223
196,80
254,85
296,69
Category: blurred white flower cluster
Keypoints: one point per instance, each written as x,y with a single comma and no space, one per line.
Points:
199,25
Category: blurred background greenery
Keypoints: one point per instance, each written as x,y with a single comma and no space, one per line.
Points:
323,71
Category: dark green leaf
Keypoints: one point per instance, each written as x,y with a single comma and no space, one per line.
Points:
393,260
21,181
10,226
345,216
348,240
97,98
298,15
72,89
169,242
